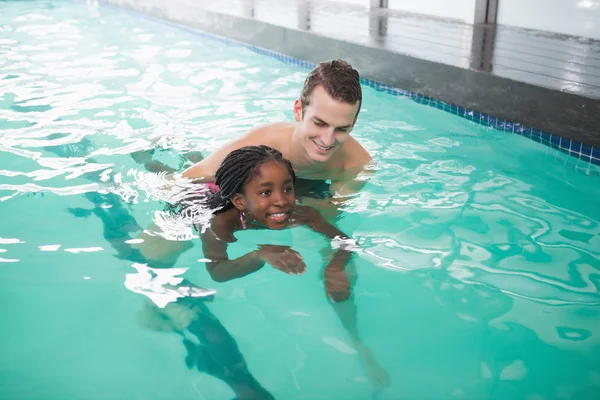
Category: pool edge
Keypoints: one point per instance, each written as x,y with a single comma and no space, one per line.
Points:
587,153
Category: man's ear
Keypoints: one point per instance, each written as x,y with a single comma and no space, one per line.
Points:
298,110
239,201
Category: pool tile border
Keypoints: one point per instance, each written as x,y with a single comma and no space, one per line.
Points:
581,151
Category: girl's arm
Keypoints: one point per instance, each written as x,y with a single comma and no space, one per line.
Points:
222,269
337,286
337,283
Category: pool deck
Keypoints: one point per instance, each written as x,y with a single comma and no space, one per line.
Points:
544,81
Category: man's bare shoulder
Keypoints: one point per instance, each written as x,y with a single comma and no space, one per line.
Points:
275,135
354,154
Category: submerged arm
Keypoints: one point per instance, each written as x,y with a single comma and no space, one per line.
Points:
337,283
220,267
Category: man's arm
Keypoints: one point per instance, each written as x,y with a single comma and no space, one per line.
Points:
206,169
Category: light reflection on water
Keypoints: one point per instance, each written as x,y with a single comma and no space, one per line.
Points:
502,233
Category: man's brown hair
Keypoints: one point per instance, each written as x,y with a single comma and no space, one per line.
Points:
338,78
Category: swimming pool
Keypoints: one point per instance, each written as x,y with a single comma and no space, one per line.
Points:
478,268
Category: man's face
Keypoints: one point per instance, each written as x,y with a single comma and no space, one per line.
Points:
324,125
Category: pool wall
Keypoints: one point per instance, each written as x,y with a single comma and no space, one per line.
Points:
562,120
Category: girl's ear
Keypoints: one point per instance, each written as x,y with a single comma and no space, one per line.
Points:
239,201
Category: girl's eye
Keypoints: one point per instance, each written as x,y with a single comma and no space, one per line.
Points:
289,189
265,192
319,123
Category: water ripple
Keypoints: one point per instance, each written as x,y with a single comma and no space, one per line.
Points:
496,227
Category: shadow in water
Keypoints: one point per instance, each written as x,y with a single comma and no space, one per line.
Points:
210,347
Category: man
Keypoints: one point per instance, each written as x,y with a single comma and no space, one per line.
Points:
319,144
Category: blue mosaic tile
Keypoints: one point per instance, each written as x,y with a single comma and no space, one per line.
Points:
585,158
501,124
518,129
566,151
565,144
575,147
492,120
596,152
546,137
509,127
586,149
596,161
536,134
555,140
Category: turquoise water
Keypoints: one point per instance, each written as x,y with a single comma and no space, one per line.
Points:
478,272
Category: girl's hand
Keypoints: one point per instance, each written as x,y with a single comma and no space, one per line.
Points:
337,283
283,258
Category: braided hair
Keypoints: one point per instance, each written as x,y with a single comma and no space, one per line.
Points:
237,169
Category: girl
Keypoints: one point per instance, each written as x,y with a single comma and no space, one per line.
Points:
254,189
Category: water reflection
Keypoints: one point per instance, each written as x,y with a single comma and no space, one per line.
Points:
176,305
502,237
487,230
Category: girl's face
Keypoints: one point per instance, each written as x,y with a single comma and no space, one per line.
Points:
269,197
